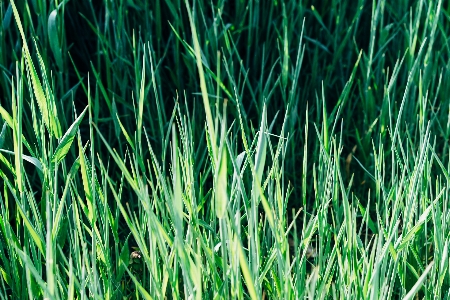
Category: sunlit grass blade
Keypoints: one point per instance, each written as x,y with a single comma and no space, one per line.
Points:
44,104
206,104
66,141
221,186
346,197
54,38
419,283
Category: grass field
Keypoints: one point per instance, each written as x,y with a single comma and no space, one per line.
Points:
229,149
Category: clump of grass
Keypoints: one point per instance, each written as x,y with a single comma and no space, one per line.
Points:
239,150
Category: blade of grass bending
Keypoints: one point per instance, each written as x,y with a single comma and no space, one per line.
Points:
66,141
53,38
9,120
6,116
30,159
441,165
424,217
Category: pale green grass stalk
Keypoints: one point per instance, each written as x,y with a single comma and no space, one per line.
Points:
275,150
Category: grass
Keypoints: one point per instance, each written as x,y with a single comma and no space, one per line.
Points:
229,150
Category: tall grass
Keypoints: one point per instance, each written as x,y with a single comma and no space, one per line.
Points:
228,150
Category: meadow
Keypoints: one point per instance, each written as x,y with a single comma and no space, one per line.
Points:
229,149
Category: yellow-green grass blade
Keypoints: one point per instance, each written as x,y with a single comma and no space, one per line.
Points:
36,237
141,105
31,267
17,134
260,160
125,133
209,119
6,116
221,189
50,120
87,184
9,120
66,141
243,262
49,252
59,211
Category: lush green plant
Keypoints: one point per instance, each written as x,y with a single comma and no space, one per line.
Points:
237,149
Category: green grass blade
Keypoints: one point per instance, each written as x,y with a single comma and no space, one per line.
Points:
45,106
53,37
66,141
221,188
419,283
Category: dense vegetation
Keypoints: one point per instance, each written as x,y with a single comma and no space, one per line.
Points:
224,149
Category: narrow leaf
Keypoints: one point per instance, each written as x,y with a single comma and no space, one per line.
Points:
419,283
66,141
54,39
177,192
221,181
43,104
